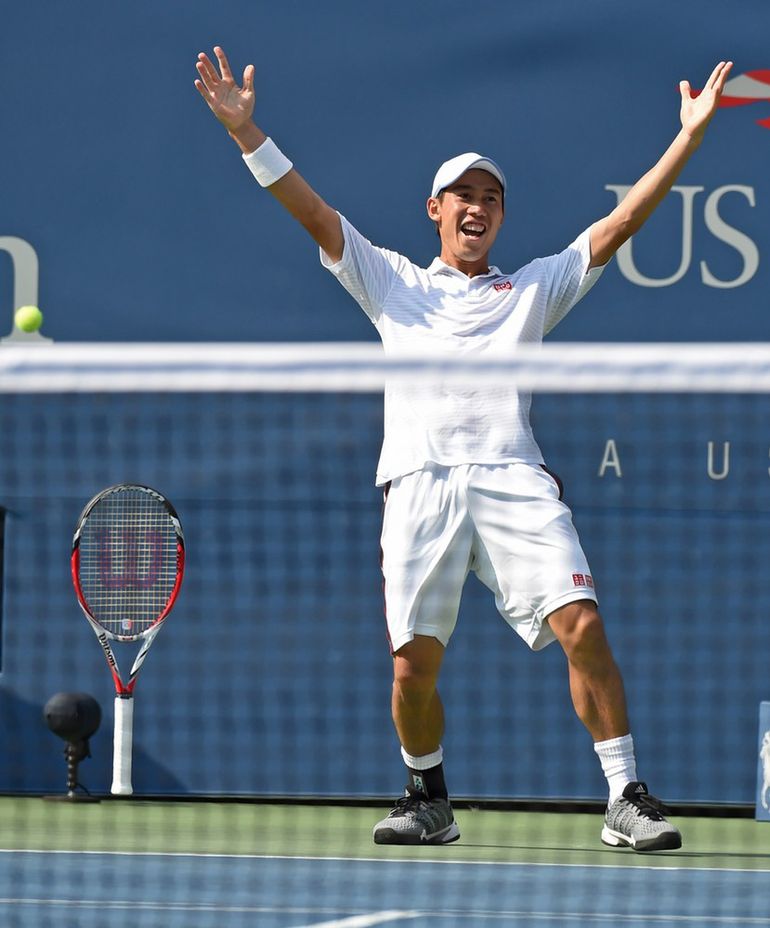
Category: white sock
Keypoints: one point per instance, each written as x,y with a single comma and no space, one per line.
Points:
618,763
425,761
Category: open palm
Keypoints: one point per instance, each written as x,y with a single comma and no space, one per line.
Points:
696,111
231,104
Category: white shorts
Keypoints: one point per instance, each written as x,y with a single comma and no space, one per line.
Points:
505,522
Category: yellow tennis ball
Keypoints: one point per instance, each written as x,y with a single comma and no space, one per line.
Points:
28,318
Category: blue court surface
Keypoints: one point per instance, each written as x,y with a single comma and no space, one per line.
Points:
111,890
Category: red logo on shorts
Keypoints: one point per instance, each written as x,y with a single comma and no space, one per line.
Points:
505,285
583,580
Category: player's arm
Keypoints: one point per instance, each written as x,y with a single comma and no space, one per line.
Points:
608,234
233,106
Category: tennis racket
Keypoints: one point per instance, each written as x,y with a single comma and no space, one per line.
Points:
127,568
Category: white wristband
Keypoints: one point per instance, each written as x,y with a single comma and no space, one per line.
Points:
268,163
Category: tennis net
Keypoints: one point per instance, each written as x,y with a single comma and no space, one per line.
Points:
269,688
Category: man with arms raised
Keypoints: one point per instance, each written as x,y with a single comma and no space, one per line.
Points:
466,487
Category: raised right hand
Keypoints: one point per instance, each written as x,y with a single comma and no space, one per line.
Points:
231,104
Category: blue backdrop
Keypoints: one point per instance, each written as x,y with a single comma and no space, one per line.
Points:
147,227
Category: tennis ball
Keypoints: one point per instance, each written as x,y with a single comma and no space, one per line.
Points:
28,318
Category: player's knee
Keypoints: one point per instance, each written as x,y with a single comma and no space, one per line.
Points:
580,630
416,667
414,681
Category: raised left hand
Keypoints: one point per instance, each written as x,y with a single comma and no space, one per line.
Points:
696,111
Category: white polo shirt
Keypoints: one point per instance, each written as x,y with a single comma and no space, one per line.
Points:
441,310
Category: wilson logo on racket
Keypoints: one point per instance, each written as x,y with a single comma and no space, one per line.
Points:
132,561
127,568
104,642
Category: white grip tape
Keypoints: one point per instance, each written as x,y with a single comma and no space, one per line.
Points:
123,746
268,163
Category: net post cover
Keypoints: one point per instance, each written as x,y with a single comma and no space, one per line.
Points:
763,765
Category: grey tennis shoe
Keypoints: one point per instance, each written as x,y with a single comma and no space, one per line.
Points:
415,819
636,820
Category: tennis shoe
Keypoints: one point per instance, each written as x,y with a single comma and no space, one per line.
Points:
415,819
636,820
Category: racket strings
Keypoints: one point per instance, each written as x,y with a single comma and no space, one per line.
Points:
128,560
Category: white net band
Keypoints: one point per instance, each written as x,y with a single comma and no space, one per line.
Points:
363,367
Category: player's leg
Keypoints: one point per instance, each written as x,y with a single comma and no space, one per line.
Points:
634,818
425,553
596,685
424,813
542,555
416,705
597,691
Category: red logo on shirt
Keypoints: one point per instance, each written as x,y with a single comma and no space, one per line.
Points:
505,285
578,579
583,580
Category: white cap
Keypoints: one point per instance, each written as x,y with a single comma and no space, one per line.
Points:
453,169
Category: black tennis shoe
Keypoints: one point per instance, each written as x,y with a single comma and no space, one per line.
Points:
636,820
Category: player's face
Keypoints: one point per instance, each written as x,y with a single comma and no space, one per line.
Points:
468,216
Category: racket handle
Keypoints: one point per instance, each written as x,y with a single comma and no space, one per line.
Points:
123,746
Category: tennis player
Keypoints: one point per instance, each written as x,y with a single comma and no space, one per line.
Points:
465,483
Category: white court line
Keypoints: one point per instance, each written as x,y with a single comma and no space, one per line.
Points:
364,921
354,921
378,918
397,860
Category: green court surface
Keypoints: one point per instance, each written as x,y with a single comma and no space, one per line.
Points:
328,831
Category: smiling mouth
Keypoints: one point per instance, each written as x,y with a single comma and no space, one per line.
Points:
473,230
